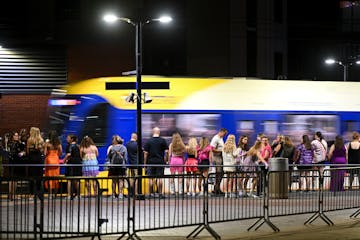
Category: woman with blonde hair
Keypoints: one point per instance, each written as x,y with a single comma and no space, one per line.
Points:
229,153
177,151
253,158
353,156
191,165
34,150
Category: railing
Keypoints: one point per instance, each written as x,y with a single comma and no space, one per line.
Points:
34,212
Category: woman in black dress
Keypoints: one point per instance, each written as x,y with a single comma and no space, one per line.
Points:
74,167
35,150
16,153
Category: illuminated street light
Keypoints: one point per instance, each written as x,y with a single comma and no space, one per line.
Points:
112,18
345,65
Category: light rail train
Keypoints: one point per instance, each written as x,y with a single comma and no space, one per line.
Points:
200,106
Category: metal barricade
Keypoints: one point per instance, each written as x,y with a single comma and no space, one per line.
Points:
343,190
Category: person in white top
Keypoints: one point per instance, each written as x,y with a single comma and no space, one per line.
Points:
320,152
229,153
217,144
320,148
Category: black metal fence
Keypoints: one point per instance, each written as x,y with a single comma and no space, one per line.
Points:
125,206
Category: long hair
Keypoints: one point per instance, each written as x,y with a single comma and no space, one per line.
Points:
204,142
35,138
339,142
54,139
177,144
229,145
306,142
242,145
288,142
86,142
255,148
192,144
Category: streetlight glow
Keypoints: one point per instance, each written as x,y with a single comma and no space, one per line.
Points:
110,18
165,19
330,61
357,62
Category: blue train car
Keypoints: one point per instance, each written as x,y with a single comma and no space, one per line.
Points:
200,106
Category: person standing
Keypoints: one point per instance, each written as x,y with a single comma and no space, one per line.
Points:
191,166
252,160
134,169
337,155
229,153
52,152
266,154
353,156
320,148
89,154
73,158
177,151
242,148
35,150
203,153
15,154
155,154
304,157
117,154
320,151
217,144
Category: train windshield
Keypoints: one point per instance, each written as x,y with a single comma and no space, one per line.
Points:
79,115
60,111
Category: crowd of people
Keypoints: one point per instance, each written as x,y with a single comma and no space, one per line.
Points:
30,155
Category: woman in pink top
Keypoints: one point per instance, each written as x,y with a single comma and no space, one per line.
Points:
204,155
191,165
176,152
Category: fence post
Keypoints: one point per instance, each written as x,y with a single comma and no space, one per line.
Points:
205,224
320,212
265,218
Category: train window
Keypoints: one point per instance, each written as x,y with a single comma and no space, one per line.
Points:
189,125
296,125
351,126
95,124
271,128
246,127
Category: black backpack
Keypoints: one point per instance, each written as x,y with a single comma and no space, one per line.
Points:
117,157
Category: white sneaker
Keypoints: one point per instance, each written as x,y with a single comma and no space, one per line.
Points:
121,196
253,195
188,193
193,194
201,193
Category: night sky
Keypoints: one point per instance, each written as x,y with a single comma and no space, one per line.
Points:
202,30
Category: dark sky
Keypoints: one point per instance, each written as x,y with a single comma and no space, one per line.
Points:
312,25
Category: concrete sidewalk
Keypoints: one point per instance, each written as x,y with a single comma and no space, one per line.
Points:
291,227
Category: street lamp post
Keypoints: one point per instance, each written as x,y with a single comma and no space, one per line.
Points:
345,66
138,57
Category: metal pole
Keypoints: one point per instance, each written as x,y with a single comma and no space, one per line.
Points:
139,100
345,72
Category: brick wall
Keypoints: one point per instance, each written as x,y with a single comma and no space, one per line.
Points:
23,111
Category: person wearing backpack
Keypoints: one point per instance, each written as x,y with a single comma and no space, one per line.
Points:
117,155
